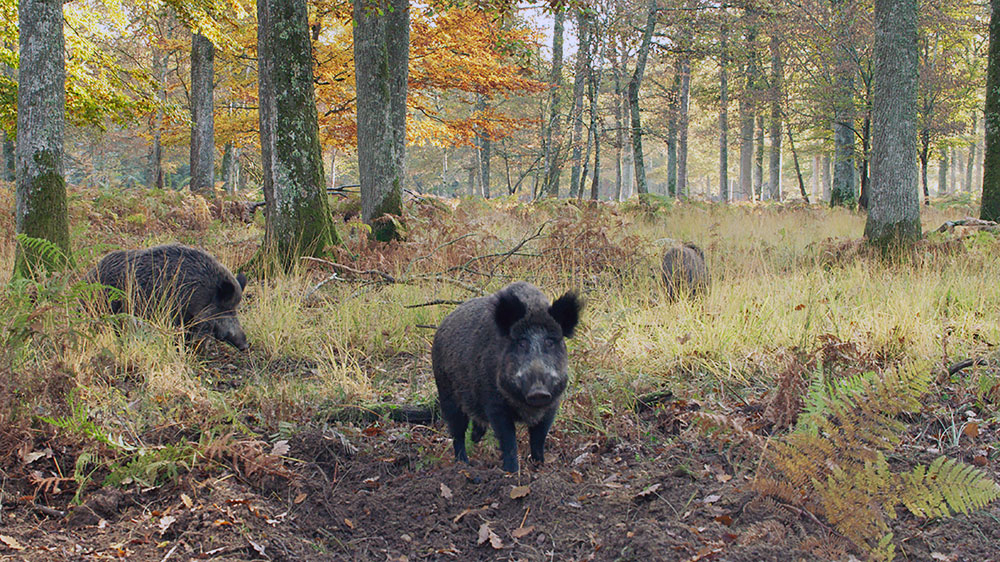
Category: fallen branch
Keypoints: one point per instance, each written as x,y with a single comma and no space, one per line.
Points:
970,222
433,302
421,415
385,276
956,367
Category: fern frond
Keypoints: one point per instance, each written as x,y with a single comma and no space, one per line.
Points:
45,250
945,488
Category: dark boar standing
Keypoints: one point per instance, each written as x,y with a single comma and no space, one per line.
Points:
501,359
189,285
684,271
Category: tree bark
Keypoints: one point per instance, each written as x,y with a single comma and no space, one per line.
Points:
683,120
827,177
202,116
230,168
593,91
633,98
970,163
40,199
579,82
758,161
864,164
298,213
724,116
894,208
553,142
924,155
381,55
798,168
673,113
942,187
747,108
843,192
156,151
482,143
777,94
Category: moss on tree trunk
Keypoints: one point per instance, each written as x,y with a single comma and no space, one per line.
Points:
41,100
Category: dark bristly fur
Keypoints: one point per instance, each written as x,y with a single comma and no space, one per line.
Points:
188,284
502,359
684,271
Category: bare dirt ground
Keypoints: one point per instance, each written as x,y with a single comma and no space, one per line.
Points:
391,491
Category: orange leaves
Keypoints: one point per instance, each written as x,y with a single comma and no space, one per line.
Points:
452,53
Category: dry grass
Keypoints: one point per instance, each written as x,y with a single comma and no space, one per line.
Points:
355,340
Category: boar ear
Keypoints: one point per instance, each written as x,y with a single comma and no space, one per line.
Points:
225,291
509,310
242,280
566,311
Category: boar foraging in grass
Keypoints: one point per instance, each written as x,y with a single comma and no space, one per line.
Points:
684,271
501,359
187,284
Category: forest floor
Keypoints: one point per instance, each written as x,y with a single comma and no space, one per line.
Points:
130,445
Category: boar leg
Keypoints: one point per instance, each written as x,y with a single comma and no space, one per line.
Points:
458,422
478,430
537,434
503,428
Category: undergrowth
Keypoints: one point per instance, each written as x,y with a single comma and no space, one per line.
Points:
356,329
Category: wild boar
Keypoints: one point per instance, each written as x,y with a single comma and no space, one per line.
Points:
684,271
501,359
187,284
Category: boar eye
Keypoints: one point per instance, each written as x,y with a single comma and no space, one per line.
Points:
551,342
523,344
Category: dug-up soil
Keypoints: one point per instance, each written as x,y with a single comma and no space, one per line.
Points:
392,492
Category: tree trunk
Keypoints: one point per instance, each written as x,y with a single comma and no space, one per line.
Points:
894,209
633,98
970,163
827,178
593,91
863,166
748,109
202,116
815,176
553,142
953,170
777,94
723,116
381,55
9,159
673,112
579,82
156,151
682,128
619,133
40,207
297,211
230,168
942,187
798,168
843,192
924,155
758,161
332,176
482,143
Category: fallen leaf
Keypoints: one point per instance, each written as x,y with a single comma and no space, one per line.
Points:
11,542
349,523
445,491
712,498
725,520
280,449
32,457
300,498
576,476
186,500
799,306
519,492
258,547
165,522
522,531
371,482
723,478
971,430
221,523
684,339
484,533
979,460
648,491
